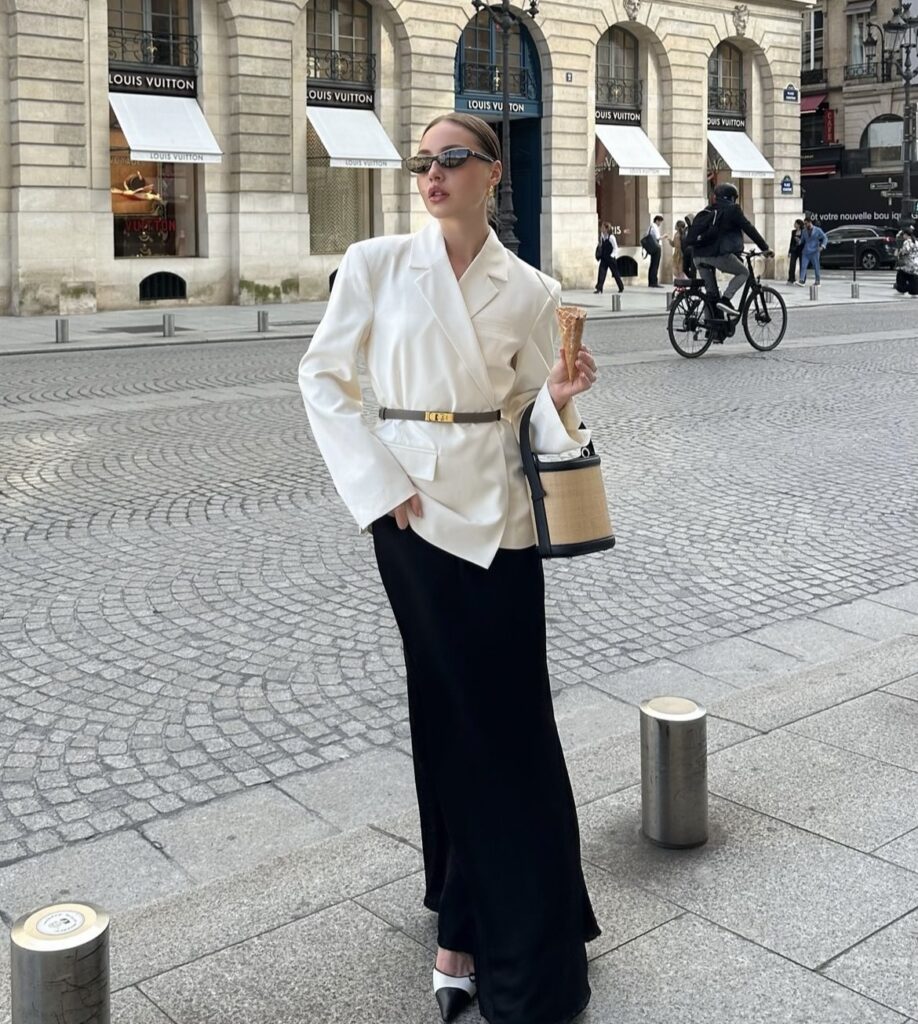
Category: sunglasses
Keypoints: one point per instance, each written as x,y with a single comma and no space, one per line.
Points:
449,158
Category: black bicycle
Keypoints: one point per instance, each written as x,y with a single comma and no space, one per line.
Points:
695,322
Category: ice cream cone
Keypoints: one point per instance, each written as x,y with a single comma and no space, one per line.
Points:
571,320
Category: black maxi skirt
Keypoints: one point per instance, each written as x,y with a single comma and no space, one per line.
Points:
499,829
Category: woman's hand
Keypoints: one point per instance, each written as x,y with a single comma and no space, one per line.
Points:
563,390
400,512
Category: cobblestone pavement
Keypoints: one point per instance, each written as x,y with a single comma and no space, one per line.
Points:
188,611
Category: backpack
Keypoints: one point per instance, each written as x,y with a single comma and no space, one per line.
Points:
704,229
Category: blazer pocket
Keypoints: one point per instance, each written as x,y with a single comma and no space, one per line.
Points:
418,463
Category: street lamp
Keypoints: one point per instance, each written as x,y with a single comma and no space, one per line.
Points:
505,19
903,30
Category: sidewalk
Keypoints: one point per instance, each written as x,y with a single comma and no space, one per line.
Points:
196,324
299,901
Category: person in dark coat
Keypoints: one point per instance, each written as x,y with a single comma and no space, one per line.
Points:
794,248
608,255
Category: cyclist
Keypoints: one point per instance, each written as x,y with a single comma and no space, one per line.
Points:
720,245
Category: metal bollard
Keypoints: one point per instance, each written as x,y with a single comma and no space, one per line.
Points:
814,293
262,321
616,302
60,966
855,290
669,299
168,325
61,331
674,772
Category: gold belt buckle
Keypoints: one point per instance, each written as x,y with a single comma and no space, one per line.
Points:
438,417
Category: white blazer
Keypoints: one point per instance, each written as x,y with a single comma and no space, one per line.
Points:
433,343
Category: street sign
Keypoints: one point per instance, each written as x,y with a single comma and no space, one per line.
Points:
791,93
787,185
891,195
878,186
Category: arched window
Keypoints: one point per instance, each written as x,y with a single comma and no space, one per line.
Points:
725,80
882,139
617,82
479,60
338,42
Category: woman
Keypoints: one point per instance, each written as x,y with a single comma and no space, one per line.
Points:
794,249
608,254
688,264
906,262
677,242
459,336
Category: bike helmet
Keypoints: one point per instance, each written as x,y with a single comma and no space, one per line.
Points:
727,191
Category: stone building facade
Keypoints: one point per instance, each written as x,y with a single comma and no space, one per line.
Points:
852,113
220,151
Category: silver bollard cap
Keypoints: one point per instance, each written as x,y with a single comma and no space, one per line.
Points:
59,926
672,709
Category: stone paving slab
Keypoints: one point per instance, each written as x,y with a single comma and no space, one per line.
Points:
884,966
904,688
689,971
365,788
338,966
115,872
587,715
151,940
904,598
131,1006
870,618
660,678
812,690
902,851
854,800
809,639
768,881
879,725
738,661
226,836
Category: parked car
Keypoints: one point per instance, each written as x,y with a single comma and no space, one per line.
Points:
876,247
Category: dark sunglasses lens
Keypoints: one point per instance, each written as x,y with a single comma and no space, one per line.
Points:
418,164
453,157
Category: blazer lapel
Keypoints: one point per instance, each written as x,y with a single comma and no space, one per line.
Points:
438,285
487,274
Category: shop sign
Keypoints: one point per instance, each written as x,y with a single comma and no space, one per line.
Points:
353,99
612,115
727,122
787,185
484,107
153,83
791,94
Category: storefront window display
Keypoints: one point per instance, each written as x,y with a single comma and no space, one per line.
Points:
153,204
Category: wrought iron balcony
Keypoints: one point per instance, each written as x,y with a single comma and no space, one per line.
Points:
627,93
340,66
486,78
813,76
162,49
872,71
727,101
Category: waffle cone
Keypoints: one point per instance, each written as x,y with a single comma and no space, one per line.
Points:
571,320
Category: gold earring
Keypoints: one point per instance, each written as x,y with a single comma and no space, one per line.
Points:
491,192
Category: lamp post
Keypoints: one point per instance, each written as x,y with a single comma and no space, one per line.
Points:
504,19
903,30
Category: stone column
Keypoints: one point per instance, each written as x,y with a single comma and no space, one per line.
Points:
51,243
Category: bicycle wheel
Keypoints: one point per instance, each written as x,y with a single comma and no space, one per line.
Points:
686,335
765,319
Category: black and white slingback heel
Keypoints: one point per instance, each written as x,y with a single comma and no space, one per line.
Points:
453,993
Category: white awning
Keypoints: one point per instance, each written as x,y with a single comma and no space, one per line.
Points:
631,149
167,129
741,154
353,138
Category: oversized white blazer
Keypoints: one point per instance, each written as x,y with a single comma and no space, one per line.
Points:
431,342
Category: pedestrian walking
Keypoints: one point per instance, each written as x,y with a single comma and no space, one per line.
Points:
607,254
459,337
676,242
794,249
813,241
906,262
653,246
688,262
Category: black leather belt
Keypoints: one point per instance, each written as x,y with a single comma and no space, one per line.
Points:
440,417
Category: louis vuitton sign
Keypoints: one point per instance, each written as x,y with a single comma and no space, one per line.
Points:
612,115
355,99
152,82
